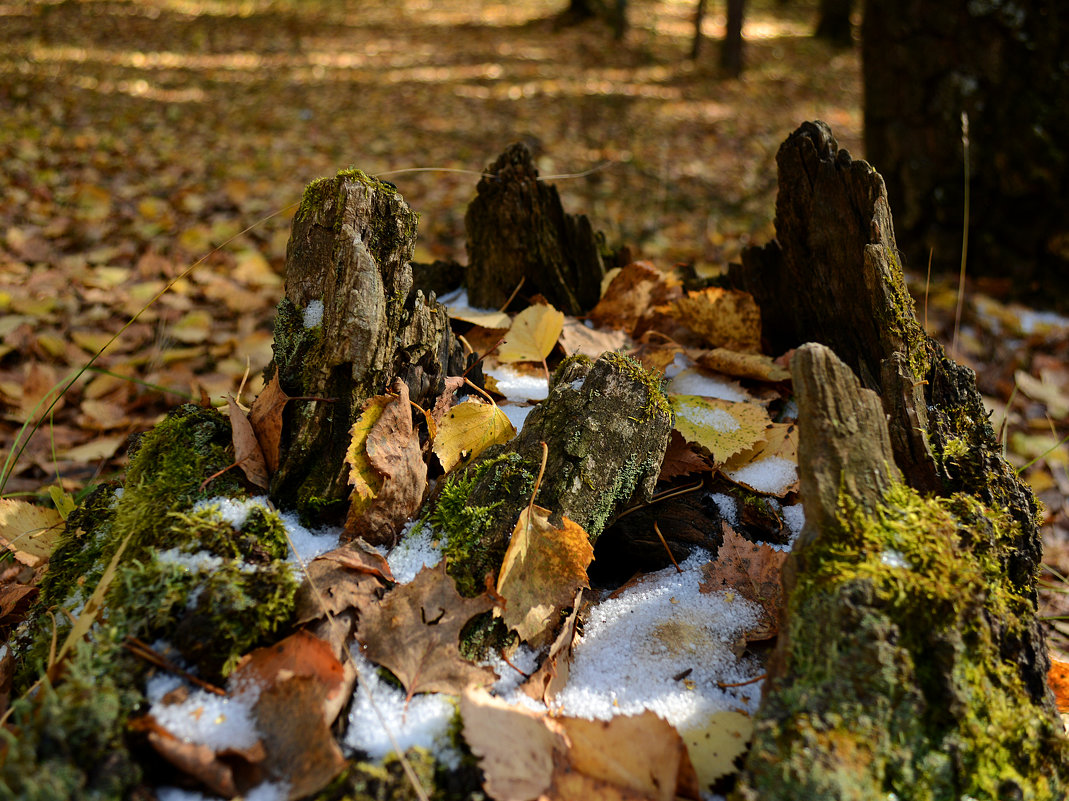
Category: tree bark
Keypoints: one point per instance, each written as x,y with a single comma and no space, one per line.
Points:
518,231
834,22
925,62
911,610
731,55
349,251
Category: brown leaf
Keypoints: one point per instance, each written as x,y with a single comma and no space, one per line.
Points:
301,751
552,675
681,459
722,317
198,761
633,294
414,632
1058,679
540,573
742,365
266,418
751,570
444,402
247,452
299,654
349,577
394,451
592,342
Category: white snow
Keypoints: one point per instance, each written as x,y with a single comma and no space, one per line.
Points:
637,649
313,314
308,544
379,710
517,414
794,517
729,508
772,475
417,547
716,419
693,382
205,718
517,386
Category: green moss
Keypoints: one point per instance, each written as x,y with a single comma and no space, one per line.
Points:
908,685
567,364
470,549
657,403
367,781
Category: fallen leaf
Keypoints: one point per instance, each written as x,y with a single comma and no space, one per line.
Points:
757,366
265,414
552,675
393,450
715,741
780,442
681,459
349,577
414,632
540,573
40,387
30,532
444,402
751,570
365,479
95,450
722,317
532,336
578,338
247,452
632,294
299,654
721,427
468,429
1058,679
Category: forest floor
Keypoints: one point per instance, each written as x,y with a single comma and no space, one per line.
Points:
138,139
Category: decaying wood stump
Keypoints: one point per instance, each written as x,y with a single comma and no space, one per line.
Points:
348,259
910,660
518,230
606,427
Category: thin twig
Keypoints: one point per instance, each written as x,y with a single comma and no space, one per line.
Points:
723,685
145,651
660,536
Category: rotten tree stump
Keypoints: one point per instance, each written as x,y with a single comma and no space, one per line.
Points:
348,259
910,659
518,231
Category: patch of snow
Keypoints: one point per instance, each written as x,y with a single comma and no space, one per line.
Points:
1032,321
517,386
199,562
716,419
663,645
794,517
692,382
313,314
729,508
680,363
772,475
417,547
510,677
577,384
516,413
204,718
308,544
379,710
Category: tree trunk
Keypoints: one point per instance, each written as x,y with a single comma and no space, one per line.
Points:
925,63
699,17
834,23
349,255
731,52
518,232
910,658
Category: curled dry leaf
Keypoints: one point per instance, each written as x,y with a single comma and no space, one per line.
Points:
757,366
266,418
552,675
349,577
632,294
540,573
751,570
247,452
414,632
681,459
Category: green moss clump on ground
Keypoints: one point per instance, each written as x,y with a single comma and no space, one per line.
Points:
187,576
910,607
471,551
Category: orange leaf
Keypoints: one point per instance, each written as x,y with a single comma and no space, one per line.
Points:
247,451
266,418
753,571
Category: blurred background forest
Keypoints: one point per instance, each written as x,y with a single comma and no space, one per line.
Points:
136,137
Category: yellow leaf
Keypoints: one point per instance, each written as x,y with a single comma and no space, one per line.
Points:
532,336
63,500
467,430
487,318
366,480
721,427
714,742
193,327
757,366
30,531
723,317
543,567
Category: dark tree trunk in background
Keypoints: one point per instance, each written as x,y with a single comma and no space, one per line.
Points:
699,15
731,52
927,61
834,22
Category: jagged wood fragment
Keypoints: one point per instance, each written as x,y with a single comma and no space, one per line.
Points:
518,231
349,250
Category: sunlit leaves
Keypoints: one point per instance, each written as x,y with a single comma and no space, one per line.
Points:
468,429
721,427
532,336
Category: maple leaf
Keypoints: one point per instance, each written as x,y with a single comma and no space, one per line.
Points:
722,427
414,632
266,418
542,568
722,317
632,294
247,452
468,429
532,336
751,570
392,449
